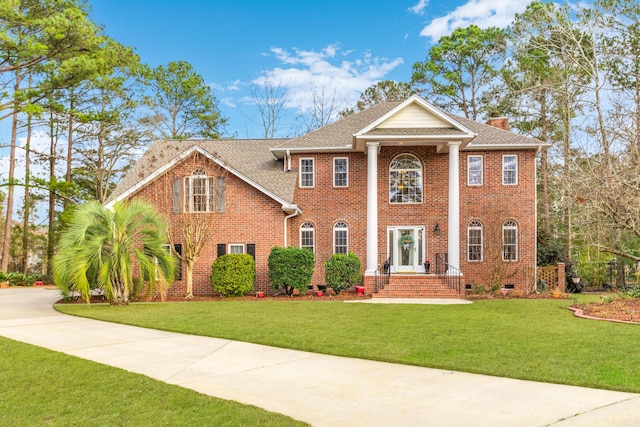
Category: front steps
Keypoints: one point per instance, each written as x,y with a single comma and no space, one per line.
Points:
416,286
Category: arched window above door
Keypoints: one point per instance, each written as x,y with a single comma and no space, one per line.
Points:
405,179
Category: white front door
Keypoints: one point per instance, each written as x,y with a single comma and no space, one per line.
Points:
406,247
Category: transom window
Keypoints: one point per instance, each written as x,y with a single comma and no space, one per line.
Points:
405,179
306,173
510,170
510,241
474,241
340,238
198,192
340,172
474,174
307,236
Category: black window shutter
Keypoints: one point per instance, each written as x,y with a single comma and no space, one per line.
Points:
178,273
177,184
222,249
251,250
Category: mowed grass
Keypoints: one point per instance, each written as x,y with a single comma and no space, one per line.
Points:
528,339
42,387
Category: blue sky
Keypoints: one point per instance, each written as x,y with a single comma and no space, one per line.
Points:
343,46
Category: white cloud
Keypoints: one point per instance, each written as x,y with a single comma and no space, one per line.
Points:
330,69
419,8
483,13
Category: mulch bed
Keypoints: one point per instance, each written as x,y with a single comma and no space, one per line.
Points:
622,310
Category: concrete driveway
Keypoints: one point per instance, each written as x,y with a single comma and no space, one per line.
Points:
321,390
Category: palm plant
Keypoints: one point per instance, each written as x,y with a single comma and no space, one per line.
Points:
102,248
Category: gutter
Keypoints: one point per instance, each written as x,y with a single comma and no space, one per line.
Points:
296,212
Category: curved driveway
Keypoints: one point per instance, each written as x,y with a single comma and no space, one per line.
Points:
321,390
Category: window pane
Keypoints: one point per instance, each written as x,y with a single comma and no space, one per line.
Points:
307,236
340,172
340,238
474,241
306,172
405,180
510,241
475,170
509,170
236,249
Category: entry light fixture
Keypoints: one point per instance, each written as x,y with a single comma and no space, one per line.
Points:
436,229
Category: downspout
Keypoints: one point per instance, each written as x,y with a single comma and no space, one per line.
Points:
287,162
296,212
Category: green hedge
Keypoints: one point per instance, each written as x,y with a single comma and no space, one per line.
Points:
291,268
342,271
233,274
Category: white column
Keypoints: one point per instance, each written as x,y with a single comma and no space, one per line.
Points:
372,207
454,205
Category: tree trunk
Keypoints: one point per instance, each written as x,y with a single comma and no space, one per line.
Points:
6,246
27,199
51,229
189,279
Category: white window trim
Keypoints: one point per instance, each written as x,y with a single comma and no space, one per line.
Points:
481,228
209,182
345,228
334,172
504,170
421,171
511,227
313,172
469,183
235,245
308,226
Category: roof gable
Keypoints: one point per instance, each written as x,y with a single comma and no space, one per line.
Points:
416,113
249,160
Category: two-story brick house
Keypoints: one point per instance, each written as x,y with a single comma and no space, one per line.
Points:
400,184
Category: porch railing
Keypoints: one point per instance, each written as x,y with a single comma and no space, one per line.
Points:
383,272
448,273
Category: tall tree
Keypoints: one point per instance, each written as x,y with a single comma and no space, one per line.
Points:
183,106
459,70
102,246
52,37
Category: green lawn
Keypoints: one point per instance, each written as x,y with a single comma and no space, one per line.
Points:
42,387
528,339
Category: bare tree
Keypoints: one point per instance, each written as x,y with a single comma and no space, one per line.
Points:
269,98
322,110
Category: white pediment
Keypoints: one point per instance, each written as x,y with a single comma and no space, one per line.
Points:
413,116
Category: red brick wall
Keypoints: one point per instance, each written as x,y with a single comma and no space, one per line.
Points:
252,217
249,217
491,203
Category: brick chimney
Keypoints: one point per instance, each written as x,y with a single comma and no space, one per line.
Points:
498,122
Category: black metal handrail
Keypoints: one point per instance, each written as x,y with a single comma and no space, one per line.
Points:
448,273
383,271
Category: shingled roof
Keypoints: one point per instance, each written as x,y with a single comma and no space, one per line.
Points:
248,158
254,160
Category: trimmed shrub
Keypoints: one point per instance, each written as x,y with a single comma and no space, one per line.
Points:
342,271
233,274
291,268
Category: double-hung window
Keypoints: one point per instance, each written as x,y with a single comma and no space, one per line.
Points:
510,241
307,236
510,170
340,238
474,241
340,172
474,170
307,173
